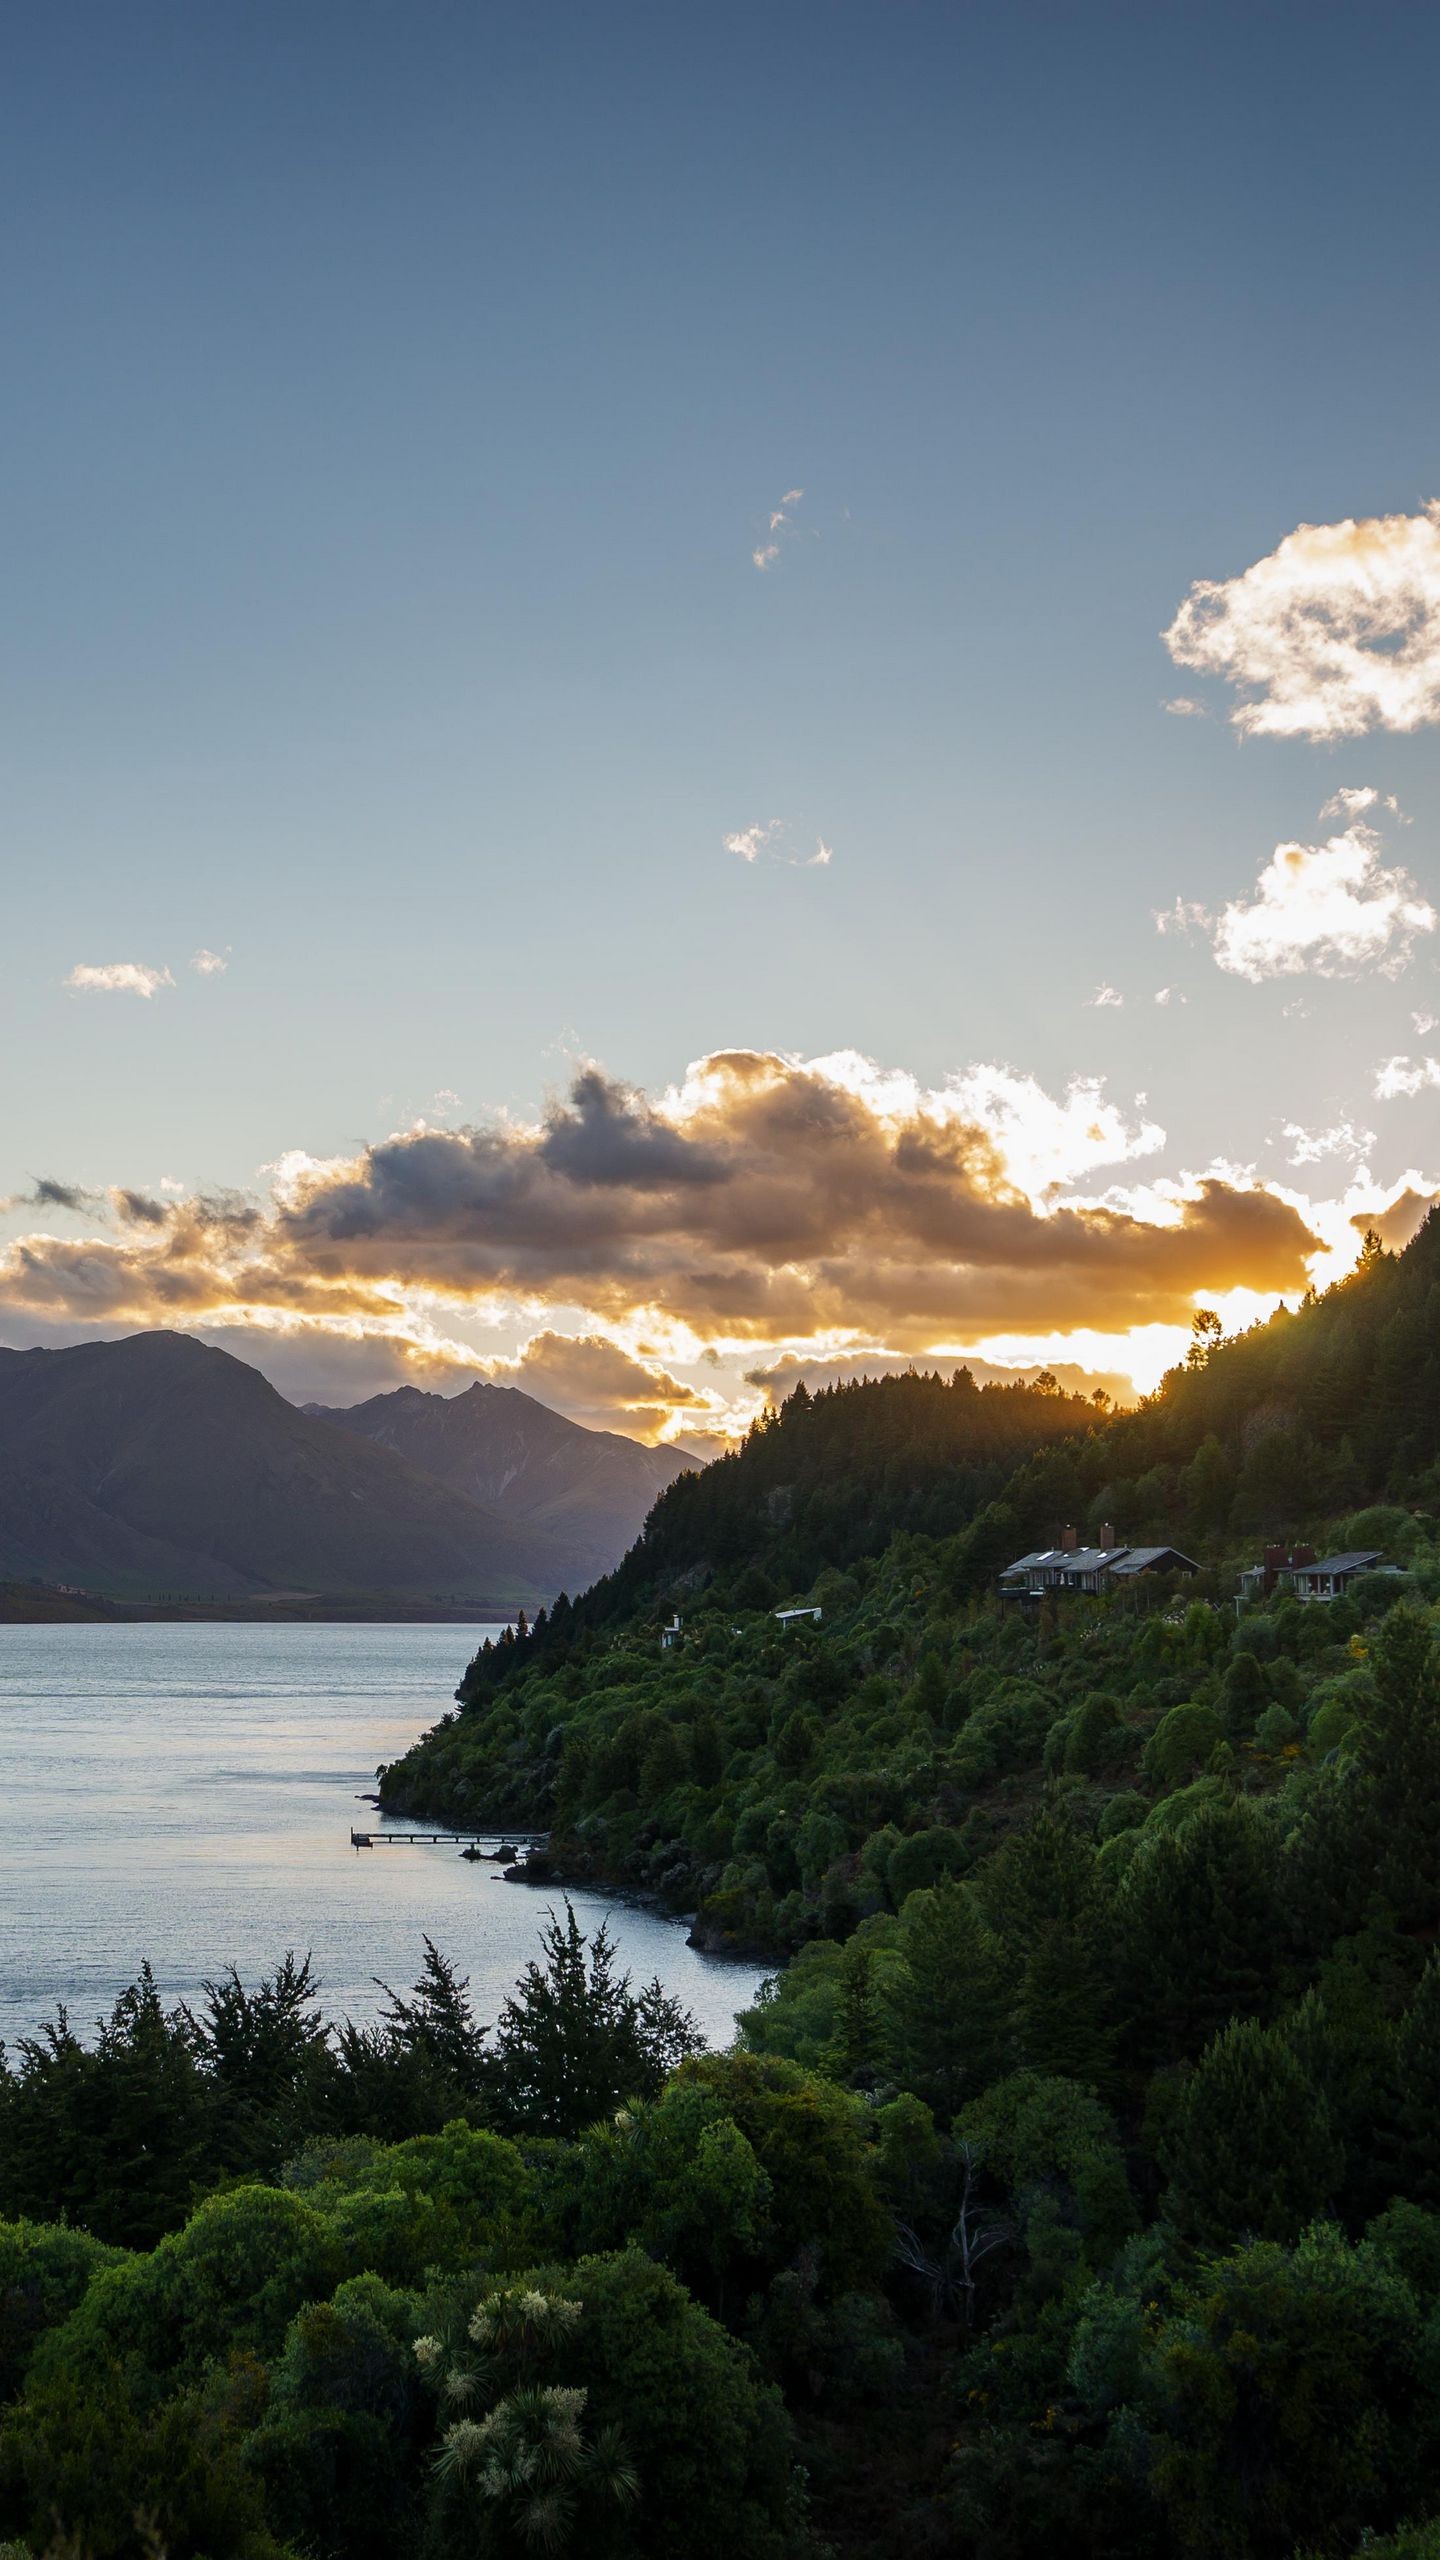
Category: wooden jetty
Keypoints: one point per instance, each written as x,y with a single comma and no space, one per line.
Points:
490,1838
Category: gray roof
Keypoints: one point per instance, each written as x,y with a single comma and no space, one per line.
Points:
1142,1559
1355,1560
1122,1560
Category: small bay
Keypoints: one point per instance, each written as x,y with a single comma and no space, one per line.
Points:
187,1792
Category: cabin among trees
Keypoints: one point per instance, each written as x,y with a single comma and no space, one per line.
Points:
1071,1567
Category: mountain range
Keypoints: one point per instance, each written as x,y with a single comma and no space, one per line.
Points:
158,1467
589,1490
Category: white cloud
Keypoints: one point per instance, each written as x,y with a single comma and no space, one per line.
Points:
753,841
1354,801
1104,996
1331,908
765,554
1183,706
1184,917
1311,1146
209,964
1335,633
1170,995
1423,1022
1045,1143
1406,1076
117,978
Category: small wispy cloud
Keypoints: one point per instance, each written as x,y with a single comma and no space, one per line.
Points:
1185,916
117,978
1170,995
760,842
209,964
1183,706
1399,1078
1423,1023
1335,633
1312,1146
1104,996
1354,800
781,519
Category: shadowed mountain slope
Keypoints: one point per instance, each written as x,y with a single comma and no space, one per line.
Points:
592,1490
155,1464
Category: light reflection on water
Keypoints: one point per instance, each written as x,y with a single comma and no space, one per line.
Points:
187,1793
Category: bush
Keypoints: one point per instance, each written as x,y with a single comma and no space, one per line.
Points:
1181,1744
925,1858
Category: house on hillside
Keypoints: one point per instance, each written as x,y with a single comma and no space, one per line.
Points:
670,1636
791,1617
1309,1576
1277,1564
1073,1568
1331,1576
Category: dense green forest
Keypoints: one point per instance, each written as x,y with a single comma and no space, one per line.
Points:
1075,2183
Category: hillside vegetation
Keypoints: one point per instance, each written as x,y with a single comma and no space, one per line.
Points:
1075,2186
764,1774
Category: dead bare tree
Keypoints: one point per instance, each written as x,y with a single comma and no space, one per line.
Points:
975,2235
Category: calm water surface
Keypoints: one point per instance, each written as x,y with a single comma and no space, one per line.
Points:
187,1792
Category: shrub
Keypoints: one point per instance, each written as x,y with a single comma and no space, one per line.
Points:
1181,1744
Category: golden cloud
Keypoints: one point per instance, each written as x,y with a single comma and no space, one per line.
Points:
764,1201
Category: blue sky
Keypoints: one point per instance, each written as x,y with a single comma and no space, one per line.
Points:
397,398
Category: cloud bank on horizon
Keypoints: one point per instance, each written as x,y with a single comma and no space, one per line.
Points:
764,1208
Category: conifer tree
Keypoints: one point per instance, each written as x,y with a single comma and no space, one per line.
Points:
950,2017
1254,2155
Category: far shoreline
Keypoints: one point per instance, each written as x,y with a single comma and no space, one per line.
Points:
32,1604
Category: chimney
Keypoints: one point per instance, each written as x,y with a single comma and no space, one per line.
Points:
1069,1539
1107,1533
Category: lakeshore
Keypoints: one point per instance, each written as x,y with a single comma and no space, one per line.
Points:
187,1794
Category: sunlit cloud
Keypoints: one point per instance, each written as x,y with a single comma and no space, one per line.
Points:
1183,706
1406,1076
1170,995
1104,997
1331,909
209,964
1313,1146
780,523
764,1202
599,1383
1335,633
117,978
1356,800
762,842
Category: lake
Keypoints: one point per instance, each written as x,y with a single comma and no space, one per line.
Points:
186,1793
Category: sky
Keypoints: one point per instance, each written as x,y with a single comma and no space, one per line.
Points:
691,697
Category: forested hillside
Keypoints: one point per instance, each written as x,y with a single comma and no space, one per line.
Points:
1077,2186
1074,2185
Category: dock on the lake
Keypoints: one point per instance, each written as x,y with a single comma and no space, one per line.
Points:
492,1839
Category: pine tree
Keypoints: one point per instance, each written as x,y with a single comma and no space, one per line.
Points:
1417,2077
1253,2153
572,2042
1201,1937
436,2024
949,2021
1062,2014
